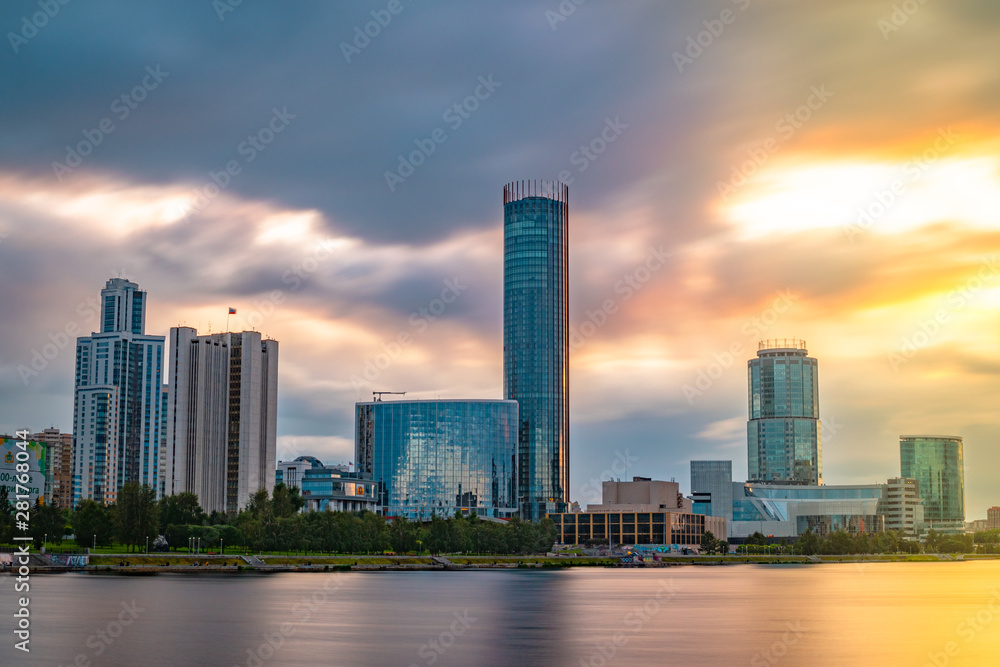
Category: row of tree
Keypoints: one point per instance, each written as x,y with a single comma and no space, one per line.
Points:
270,523
843,543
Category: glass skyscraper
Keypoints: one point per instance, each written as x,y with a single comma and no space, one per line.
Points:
784,444
536,339
119,420
436,457
936,462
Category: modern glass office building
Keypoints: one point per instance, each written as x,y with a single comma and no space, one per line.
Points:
436,457
789,510
936,462
784,443
536,339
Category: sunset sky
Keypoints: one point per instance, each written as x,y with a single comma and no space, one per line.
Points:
823,171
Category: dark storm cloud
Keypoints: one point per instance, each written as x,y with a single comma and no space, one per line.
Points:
555,88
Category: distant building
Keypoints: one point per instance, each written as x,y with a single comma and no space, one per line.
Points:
439,457
643,511
784,443
290,473
937,463
903,507
777,510
993,518
59,464
976,525
642,494
324,487
118,406
222,416
536,339
712,488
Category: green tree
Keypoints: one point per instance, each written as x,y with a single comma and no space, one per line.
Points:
708,542
403,535
933,540
839,543
286,501
136,515
47,520
230,537
545,535
808,543
6,516
92,524
757,539
177,536
180,509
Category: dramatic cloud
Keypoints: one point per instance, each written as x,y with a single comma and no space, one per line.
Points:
738,170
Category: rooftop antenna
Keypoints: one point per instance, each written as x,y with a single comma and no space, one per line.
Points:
378,394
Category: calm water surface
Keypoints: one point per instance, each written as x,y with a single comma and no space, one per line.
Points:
836,614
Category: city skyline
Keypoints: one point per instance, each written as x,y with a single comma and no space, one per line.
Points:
703,216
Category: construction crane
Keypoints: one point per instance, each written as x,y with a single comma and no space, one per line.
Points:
378,394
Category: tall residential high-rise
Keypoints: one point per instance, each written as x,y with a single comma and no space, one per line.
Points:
536,339
222,408
937,463
59,461
716,479
993,518
784,442
118,420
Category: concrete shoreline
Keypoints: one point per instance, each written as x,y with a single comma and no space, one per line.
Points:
145,565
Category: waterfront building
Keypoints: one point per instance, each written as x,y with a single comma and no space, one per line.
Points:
712,488
118,369
937,463
642,494
903,507
682,529
439,457
59,466
222,416
778,510
993,518
536,339
644,511
784,441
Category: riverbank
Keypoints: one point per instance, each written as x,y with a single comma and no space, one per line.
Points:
142,564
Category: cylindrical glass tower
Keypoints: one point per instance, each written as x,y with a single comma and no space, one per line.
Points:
784,442
536,339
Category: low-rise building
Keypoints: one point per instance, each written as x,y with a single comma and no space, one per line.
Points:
329,487
789,510
643,511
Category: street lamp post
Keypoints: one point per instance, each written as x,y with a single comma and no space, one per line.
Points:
147,545
94,548
45,541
